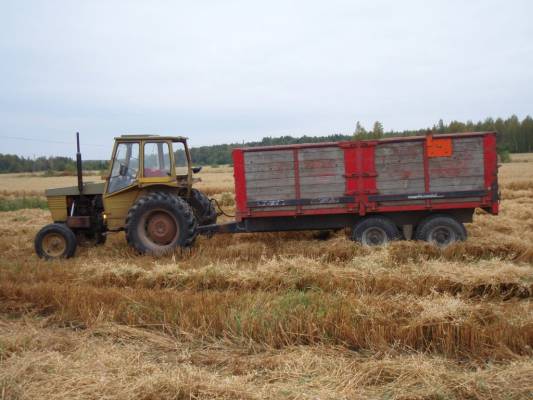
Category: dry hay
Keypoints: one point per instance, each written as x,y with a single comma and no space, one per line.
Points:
276,315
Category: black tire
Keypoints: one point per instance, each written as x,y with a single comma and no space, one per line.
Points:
203,209
440,230
159,222
375,231
55,241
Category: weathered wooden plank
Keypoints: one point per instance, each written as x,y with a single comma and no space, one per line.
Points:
268,157
322,172
320,150
456,183
267,193
320,163
394,172
413,149
447,162
397,160
401,186
400,168
454,171
323,180
324,153
467,142
281,174
275,182
273,166
332,190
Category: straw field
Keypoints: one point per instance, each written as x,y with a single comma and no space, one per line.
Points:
279,316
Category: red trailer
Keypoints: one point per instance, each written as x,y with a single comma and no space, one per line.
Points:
381,189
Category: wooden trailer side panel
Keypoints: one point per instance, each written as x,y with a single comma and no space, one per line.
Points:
462,170
321,175
269,176
400,167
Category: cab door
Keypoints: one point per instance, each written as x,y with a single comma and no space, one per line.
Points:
123,177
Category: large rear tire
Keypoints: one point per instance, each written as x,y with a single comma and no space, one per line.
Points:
55,241
203,209
159,222
440,230
375,231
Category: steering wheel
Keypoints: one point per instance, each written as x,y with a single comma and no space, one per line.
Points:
127,172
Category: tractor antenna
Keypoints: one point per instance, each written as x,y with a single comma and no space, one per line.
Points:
78,164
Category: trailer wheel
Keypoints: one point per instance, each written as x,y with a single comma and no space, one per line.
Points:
375,231
440,230
159,222
55,241
203,209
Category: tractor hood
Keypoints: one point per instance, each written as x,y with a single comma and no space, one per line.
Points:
88,188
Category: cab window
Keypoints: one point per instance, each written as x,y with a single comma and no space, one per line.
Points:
156,159
125,167
181,159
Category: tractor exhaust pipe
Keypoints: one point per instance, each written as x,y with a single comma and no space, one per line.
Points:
78,164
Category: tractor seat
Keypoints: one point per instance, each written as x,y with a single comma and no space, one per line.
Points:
153,173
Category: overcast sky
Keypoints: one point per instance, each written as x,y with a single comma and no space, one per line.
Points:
228,71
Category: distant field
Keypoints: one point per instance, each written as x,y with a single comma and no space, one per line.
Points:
217,179
280,316
522,157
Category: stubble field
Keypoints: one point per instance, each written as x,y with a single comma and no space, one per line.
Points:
271,315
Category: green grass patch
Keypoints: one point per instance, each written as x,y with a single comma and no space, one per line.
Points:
19,203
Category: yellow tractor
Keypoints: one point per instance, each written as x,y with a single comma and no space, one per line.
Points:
147,192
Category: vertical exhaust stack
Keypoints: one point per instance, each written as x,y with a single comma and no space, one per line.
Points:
78,164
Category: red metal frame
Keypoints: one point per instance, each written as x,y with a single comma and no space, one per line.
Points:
360,177
491,171
240,184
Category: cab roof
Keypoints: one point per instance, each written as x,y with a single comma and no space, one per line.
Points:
150,137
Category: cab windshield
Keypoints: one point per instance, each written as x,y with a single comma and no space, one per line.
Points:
125,167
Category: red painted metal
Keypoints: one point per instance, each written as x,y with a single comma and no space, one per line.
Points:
491,170
350,173
240,184
426,171
360,179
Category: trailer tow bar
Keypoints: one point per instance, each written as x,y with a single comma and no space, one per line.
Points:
229,227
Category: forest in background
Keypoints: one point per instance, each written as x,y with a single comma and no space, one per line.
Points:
514,136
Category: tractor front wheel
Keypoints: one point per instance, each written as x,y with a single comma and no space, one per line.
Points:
55,241
159,222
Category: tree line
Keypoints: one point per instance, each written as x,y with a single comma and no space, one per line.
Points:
14,163
514,136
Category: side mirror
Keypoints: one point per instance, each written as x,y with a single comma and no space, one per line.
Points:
195,170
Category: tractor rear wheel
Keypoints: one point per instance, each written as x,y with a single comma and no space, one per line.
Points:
159,222
375,231
203,209
55,241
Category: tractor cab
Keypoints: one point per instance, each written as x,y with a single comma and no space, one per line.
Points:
146,160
